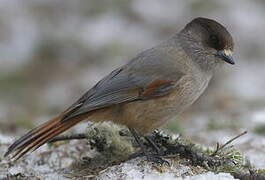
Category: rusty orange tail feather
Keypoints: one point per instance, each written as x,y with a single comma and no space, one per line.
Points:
40,135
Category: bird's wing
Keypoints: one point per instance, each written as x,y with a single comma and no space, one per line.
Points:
126,85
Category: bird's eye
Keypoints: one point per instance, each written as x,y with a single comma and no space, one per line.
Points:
213,39
214,42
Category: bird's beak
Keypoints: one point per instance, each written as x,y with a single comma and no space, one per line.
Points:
226,55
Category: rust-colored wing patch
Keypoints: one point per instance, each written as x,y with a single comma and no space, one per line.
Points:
158,88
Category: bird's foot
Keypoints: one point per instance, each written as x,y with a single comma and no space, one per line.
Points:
155,157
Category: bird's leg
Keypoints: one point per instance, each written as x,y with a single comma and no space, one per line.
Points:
150,157
158,150
137,138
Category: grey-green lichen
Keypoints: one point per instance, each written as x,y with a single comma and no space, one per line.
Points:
111,140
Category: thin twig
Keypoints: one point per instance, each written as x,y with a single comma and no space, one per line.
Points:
218,147
68,137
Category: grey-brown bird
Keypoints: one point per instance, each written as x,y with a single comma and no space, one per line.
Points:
152,88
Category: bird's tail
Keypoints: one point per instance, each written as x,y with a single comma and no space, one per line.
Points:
40,135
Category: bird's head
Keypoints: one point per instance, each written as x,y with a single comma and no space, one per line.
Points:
209,41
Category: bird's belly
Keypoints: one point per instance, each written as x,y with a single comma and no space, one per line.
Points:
147,115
